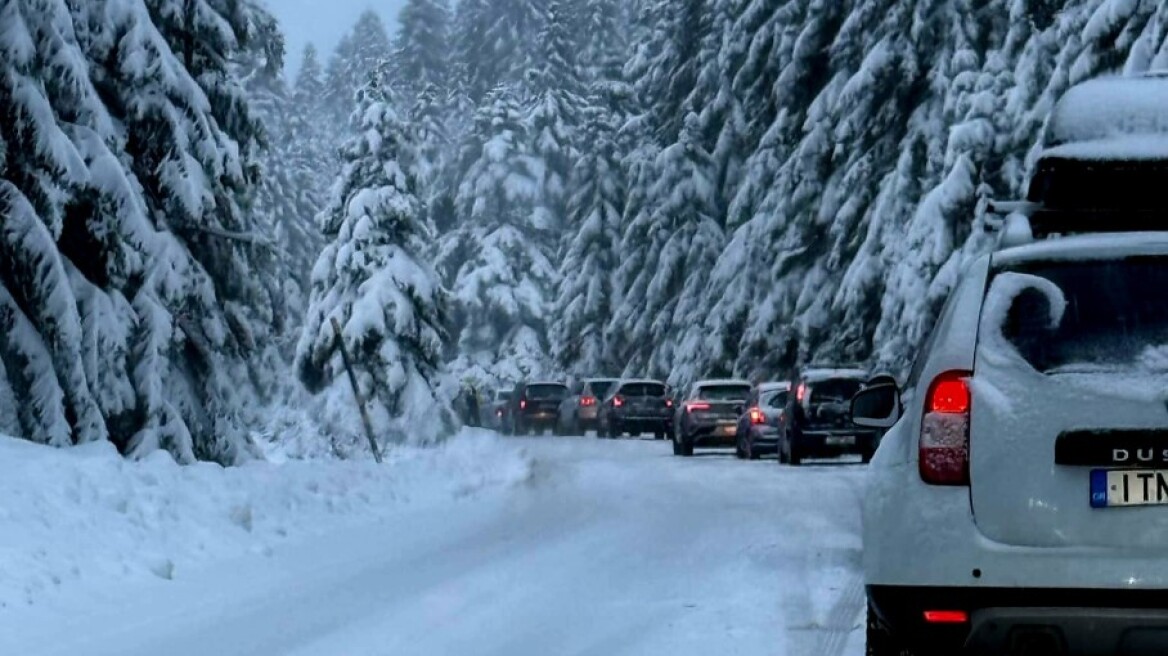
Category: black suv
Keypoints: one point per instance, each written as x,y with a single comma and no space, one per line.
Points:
635,407
817,421
535,407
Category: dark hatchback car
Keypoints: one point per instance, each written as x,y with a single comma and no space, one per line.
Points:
708,418
758,427
817,420
636,407
534,407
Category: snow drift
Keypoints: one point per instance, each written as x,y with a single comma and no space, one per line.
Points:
86,515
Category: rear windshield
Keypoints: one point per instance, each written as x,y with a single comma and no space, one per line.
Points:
1114,314
834,390
656,390
503,396
601,387
775,399
724,392
547,391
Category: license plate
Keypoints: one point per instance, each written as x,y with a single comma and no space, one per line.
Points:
840,440
1138,487
729,430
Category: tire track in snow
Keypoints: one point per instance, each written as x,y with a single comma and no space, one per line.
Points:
845,615
842,620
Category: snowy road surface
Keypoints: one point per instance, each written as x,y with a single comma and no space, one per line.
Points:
609,548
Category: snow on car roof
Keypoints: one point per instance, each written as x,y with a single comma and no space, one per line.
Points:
1109,107
641,381
1086,247
547,382
1128,147
840,372
770,387
726,381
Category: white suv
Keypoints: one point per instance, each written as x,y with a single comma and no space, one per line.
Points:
1019,502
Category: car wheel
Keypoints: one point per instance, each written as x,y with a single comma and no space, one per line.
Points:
751,454
866,456
685,446
613,431
676,446
659,435
739,452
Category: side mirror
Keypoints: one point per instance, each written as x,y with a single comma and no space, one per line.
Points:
877,406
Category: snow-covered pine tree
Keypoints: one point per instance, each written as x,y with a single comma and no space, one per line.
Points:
553,116
421,58
374,279
132,296
669,250
586,296
359,55
501,276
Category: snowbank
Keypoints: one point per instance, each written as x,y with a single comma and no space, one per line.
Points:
84,515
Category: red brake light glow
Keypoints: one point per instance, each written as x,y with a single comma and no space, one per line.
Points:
801,392
949,396
617,401
946,616
522,404
587,401
697,407
668,403
756,416
944,443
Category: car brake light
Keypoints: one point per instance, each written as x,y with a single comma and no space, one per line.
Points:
498,413
522,404
617,401
756,416
944,443
696,407
668,403
587,401
946,616
801,392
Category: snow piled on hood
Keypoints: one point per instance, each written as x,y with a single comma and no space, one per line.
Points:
86,515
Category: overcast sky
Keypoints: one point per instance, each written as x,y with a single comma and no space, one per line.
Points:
324,22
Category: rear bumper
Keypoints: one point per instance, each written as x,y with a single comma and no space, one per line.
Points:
824,442
765,438
712,435
1070,622
644,424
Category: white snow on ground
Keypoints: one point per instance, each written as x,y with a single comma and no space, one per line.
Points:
82,517
607,547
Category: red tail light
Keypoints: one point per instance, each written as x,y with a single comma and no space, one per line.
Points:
944,445
498,413
801,392
756,416
617,401
668,403
587,401
697,407
522,404
946,616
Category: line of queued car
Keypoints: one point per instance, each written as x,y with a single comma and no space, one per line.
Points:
804,417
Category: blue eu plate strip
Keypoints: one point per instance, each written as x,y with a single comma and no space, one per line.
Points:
1098,488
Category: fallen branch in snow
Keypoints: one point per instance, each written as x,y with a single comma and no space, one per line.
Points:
356,391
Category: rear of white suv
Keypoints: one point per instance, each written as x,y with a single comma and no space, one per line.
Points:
1017,506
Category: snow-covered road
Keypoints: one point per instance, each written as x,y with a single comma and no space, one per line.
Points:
610,548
